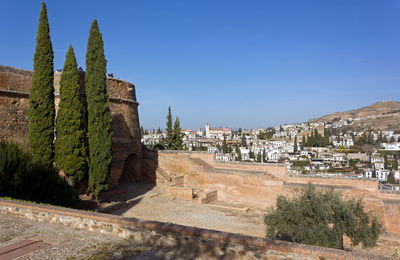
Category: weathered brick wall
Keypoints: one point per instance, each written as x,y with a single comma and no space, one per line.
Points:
127,148
253,185
202,241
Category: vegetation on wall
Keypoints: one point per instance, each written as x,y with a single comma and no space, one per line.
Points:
71,155
322,218
41,110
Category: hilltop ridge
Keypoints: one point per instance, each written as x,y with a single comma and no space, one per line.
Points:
383,115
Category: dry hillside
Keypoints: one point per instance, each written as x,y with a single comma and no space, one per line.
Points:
384,115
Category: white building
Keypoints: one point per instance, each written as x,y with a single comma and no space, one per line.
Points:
379,165
367,173
218,133
396,175
375,159
382,174
245,153
339,160
273,155
391,146
188,133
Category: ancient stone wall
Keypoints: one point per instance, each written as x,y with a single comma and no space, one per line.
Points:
208,244
257,185
127,149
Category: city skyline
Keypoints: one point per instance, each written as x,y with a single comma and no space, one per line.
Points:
229,63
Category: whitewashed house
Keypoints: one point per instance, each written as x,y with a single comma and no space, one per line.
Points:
367,173
382,174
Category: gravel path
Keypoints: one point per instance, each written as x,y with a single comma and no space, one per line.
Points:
67,243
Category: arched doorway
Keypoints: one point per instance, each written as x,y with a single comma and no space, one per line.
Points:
130,172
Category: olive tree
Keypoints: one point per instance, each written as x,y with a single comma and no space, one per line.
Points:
322,218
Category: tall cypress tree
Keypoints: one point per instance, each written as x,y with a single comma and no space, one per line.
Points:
295,145
177,136
264,156
224,146
170,135
258,157
395,164
70,146
41,110
99,119
239,154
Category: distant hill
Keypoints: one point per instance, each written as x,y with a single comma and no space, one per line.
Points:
384,115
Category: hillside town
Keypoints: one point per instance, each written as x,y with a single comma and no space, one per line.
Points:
320,148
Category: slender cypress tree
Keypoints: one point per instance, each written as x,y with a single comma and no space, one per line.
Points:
258,157
385,159
70,146
99,119
395,164
239,154
177,136
263,156
224,146
41,110
295,145
170,135
243,142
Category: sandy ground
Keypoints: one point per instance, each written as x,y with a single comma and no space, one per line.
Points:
154,206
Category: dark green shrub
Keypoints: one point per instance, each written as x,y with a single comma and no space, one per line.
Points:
27,179
322,218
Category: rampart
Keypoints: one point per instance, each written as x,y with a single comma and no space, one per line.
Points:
194,175
127,149
203,241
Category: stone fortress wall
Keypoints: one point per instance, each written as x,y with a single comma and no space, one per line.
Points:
197,176
127,148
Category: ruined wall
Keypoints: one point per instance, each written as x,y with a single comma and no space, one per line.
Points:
127,149
14,86
258,185
248,184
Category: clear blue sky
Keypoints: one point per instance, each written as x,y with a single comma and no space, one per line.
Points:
231,63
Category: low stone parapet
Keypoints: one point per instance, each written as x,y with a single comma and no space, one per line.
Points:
240,246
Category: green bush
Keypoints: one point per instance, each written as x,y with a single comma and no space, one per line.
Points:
322,218
27,179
